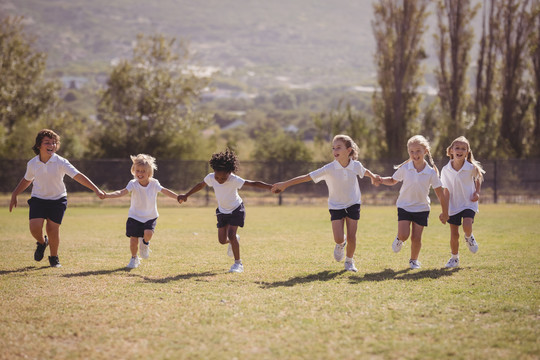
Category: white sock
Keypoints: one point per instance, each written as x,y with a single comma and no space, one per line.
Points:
348,259
455,256
468,237
239,261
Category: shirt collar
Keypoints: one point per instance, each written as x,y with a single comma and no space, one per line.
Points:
338,166
53,159
410,166
466,166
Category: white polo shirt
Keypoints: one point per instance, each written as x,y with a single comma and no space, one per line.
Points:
461,186
226,193
414,192
342,182
143,200
48,178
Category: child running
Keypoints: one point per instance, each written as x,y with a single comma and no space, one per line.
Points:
49,196
143,213
344,196
462,179
413,202
230,211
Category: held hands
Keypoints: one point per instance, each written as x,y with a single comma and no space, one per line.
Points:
376,180
100,194
181,198
278,187
444,217
475,197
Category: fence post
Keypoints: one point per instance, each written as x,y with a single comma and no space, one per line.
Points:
495,195
207,188
280,200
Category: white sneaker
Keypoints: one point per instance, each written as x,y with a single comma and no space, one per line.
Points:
414,264
452,263
396,245
236,268
471,244
339,250
349,266
144,249
229,248
134,263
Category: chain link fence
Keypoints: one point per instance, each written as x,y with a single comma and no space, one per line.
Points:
506,181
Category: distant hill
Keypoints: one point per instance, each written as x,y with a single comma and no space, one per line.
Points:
280,36
294,41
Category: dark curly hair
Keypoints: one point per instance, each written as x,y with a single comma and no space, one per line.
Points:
45,133
224,161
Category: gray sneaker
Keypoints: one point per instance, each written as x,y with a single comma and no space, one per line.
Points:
415,264
339,250
236,268
452,263
144,249
471,244
134,262
396,245
349,266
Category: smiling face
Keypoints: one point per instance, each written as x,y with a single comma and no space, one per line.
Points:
341,152
221,176
47,148
417,153
142,174
459,151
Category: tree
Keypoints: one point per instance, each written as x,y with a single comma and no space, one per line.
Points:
26,97
516,26
485,131
398,27
454,39
535,54
148,104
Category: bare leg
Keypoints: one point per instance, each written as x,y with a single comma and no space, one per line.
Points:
454,239
352,226
134,245
36,229
231,234
416,240
53,233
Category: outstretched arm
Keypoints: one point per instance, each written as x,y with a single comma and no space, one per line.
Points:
23,184
169,193
375,179
183,197
83,180
441,194
388,180
281,186
258,184
116,194
477,186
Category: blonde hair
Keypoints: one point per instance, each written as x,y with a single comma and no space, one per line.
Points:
422,141
145,160
346,139
479,170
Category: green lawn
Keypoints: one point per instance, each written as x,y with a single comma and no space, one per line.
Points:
292,302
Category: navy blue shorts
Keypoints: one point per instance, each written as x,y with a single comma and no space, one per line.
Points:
136,228
421,217
352,212
47,209
456,219
236,218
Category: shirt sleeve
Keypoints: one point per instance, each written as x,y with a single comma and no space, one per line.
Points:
398,175
157,185
69,169
318,175
435,181
129,186
444,177
30,173
208,179
360,169
239,182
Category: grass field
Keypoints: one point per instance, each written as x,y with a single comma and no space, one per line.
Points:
292,302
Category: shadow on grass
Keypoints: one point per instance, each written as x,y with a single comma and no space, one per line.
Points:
297,280
25,269
406,274
97,272
177,277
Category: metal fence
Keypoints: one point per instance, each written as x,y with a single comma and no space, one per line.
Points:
506,181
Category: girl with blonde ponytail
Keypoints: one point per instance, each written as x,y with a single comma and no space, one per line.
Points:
462,179
413,202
